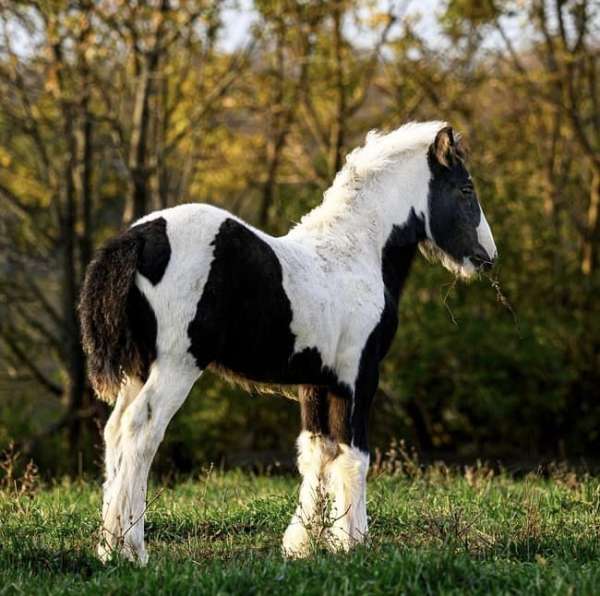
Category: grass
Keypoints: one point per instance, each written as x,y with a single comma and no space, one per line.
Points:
432,532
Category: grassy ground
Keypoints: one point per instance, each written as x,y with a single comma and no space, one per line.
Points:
431,532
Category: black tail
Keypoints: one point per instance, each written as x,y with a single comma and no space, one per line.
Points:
106,334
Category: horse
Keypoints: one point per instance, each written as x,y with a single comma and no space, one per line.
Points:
194,287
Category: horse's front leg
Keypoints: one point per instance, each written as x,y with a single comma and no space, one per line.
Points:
314,451
346,474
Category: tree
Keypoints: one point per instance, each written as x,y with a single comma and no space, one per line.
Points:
65,113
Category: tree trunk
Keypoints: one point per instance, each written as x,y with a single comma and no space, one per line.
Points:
339,129
75,360
84,142
591,241
138,201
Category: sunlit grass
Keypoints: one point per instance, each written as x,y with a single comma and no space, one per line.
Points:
431,532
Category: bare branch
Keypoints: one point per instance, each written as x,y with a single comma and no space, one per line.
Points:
30,365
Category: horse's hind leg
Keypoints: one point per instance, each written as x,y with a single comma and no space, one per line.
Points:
142,428
314,450
112,435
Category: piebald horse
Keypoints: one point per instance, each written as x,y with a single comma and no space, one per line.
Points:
194,287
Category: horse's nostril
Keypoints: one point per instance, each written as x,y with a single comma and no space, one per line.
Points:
482,262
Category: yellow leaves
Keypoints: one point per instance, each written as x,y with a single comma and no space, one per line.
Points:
5,158
180,17
76,23
226,168
157,18
187,87
378,19
475,11
20,182
90,53
51,84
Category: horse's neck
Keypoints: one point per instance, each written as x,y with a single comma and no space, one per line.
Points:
379,221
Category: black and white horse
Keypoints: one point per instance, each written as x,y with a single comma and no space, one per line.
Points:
193,287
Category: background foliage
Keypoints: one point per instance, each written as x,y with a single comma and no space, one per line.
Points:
111,109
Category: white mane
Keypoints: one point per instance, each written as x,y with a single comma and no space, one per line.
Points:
381,149
364,163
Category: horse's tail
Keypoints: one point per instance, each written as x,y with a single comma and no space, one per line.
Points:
106,334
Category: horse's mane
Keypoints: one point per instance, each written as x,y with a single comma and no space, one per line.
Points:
363,163
381,149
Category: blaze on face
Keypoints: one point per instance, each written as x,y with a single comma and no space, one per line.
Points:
459,234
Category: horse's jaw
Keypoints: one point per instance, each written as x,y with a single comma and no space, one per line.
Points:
464,270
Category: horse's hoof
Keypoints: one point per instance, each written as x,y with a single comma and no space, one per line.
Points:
296,541
338,540
104,552
138,556
142,559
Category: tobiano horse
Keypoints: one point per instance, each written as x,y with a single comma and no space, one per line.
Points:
194,288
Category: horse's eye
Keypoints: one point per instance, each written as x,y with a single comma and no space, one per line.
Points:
467,190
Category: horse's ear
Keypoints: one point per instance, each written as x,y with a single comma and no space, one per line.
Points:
443,146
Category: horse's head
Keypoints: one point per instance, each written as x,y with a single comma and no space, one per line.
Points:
457,230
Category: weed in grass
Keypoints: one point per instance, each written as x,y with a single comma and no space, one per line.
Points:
14,478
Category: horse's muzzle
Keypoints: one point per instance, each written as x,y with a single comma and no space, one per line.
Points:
482,261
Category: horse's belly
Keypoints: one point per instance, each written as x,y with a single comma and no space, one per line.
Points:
266,365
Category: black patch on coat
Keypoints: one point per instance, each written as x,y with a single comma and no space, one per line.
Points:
154,254
367,381
155,249
243,318
143,329
454,211
397,257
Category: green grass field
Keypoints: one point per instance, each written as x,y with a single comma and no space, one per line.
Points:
431,533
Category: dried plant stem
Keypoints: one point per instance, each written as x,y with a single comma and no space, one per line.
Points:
502,299
450,287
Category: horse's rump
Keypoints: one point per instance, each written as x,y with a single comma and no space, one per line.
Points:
118,326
